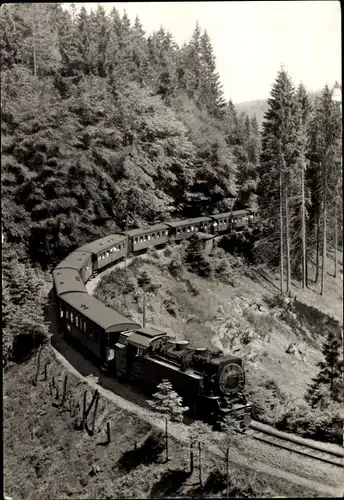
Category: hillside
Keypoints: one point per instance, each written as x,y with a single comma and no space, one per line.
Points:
258,107
238,312
253,108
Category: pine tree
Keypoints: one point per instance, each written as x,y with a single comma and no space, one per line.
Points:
277,173
329,384
229,437
324,156
198,431
169,403
303,114
211,93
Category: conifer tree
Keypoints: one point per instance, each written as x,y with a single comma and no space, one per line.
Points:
329,383
300,214
211,93
324,155
277,172
198,431
170,404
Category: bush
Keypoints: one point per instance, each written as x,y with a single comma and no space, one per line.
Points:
176,268
196,259
168,252
152,252
147,453
323,425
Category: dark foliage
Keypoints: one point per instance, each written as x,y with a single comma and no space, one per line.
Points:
169,483
148,452
103,128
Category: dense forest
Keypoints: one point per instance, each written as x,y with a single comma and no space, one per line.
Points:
104,128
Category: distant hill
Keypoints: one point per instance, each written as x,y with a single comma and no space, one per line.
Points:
251,108
258,107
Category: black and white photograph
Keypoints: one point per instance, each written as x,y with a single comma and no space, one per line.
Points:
172,250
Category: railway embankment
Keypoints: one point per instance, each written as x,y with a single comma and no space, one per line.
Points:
49,455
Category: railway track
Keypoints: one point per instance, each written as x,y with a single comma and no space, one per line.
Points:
295,445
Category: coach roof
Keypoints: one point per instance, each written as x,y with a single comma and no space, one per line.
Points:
240,212
102,243
75,260
103,316
151,229
67,280
221,216
178,223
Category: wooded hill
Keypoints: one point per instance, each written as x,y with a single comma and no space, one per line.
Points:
105,128
258,107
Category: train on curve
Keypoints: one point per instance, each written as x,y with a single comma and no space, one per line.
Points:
209,381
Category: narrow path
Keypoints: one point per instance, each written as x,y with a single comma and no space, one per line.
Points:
180,432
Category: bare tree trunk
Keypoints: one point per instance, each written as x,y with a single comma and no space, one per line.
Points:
303,221
323,271
200,462
227,472
317,259
281,233
144,309
287,239
335,237
166,438
191,458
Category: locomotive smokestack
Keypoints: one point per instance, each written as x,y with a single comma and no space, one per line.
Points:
181,344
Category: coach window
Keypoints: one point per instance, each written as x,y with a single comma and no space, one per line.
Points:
96,336
184,229
85,326
149,237
107,254
72,317
61,313
76,321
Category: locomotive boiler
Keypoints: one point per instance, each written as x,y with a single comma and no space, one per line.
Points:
209,381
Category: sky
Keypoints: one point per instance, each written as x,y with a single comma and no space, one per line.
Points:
252,39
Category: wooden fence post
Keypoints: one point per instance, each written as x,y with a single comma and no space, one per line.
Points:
38,365
95,412
64,390
84,411
45,369
91,403
108,432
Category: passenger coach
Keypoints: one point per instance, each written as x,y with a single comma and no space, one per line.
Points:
93,324
105,250
183,229
140,239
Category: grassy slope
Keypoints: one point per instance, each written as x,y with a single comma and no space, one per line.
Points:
221,314
46,458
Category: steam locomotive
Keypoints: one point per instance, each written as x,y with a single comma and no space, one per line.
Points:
209,381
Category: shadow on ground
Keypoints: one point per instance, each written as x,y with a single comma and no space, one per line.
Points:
169,483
